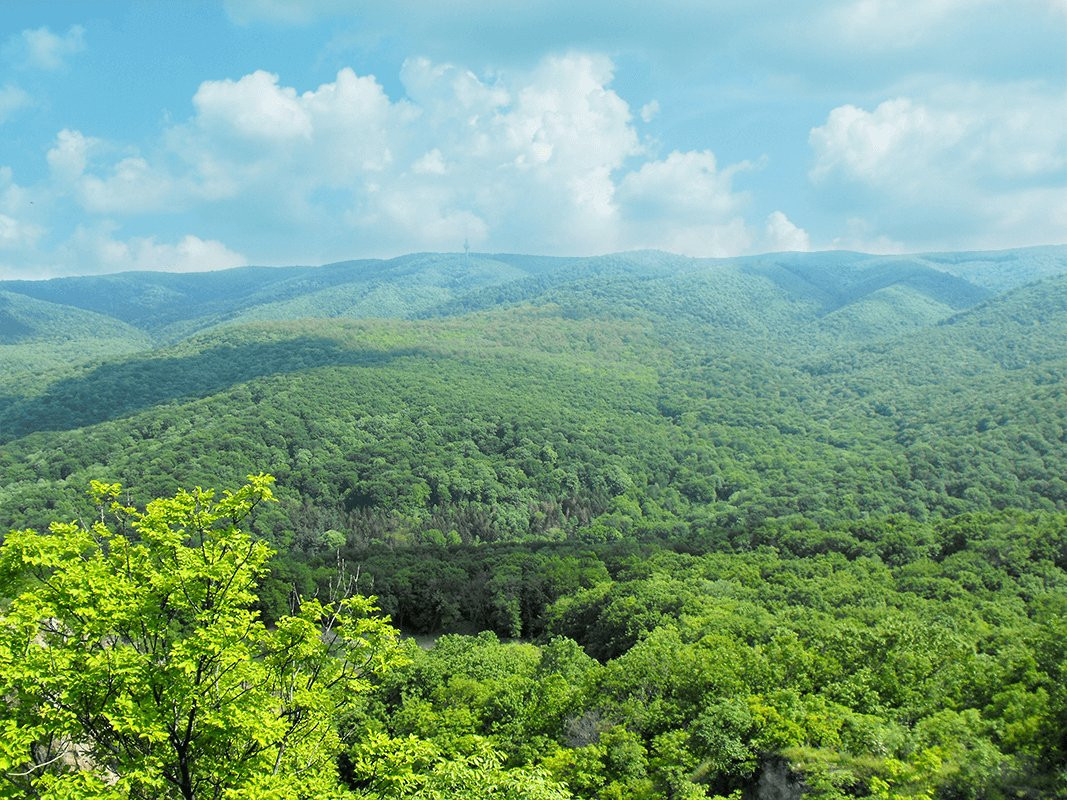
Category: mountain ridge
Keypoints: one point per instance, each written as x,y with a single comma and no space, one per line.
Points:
170,306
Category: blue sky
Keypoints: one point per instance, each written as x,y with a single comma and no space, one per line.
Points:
201,135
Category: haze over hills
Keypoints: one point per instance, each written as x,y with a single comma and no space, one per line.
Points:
172,305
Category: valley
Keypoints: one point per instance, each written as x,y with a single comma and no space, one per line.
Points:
680,525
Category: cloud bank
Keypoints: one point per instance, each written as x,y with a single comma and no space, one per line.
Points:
709,129
550,161
976,166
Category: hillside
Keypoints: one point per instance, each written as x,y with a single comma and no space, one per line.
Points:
38,337
795,520
634,403
170,306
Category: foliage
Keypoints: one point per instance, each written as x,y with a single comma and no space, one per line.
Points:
134,665
940,675
481,428
787,525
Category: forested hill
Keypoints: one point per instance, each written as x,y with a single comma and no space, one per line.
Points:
587,397
792,525
170,306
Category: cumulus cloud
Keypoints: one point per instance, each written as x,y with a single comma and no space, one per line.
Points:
781,235
130,186
19,231
40,48
431,163
549,159
69,156
684,186
686,203
33,245
254,107
529,162
968,165
872,146
97,250
12,196
16,234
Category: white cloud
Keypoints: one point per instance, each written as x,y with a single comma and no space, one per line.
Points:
566,114
189,254
781,235
69,156
529,164
133,187
650,110
12,98
430,163
20,231
686,203
1016,133
34,245
253,136
966,166
684,186
40,48
874,146
254,107
545,160
95,250
534,159
12,196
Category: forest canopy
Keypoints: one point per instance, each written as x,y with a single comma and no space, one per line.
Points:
635,526
135,664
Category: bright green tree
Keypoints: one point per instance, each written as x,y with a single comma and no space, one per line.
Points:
398,769
133,662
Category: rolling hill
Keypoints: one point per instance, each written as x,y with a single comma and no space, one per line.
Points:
170,306
713,395
795,519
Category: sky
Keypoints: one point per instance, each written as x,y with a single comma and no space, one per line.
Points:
203,135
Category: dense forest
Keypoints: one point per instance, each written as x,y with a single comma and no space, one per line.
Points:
768,527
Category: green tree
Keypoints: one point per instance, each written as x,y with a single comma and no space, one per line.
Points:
133,663
381,768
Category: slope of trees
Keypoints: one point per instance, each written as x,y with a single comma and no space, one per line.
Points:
789,524
530,424
891,659
171,306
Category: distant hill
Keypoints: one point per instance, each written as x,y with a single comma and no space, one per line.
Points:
172,305
859,294
999,270
38,337
714,395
